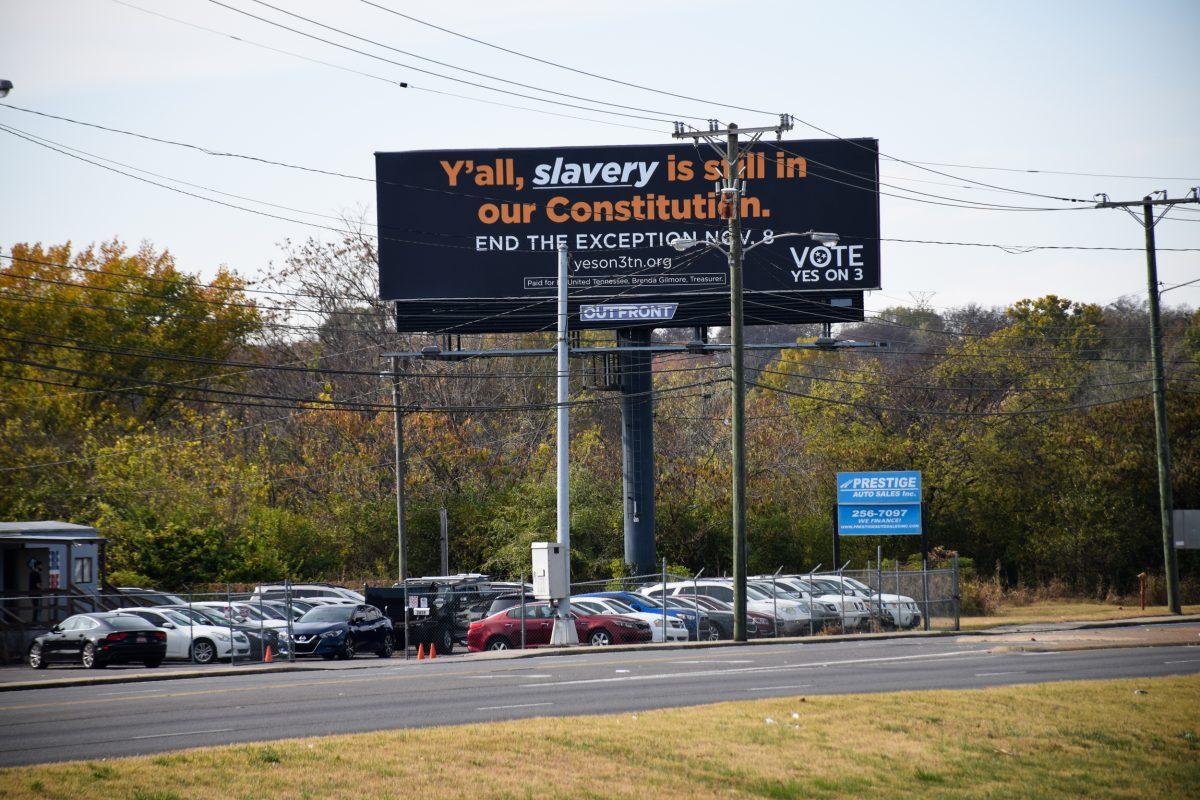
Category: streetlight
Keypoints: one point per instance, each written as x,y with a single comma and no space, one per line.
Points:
738,415
5,87
823,237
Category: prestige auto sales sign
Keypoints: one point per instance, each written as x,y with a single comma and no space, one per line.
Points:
484,224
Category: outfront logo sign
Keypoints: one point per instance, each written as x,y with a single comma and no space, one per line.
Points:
623,312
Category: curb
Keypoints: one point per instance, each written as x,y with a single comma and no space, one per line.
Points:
513,655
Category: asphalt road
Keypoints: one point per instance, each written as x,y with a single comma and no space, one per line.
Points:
128,719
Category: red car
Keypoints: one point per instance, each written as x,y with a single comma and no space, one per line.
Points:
502,631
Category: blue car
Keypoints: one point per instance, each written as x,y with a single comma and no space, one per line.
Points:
697,629
343,631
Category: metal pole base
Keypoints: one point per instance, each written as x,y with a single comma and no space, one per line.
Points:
564,633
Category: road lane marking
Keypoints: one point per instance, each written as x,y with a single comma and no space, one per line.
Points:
991,674
736,670
721,661
182,733
773,688
517,705
434,674
1183,661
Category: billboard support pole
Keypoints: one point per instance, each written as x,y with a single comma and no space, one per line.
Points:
732,193
398,417
564,628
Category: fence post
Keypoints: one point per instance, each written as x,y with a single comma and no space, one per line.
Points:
229,619
664,606
291,630
957,594
775,602
879,583
404,599
192,635
925,590
842,601
522,610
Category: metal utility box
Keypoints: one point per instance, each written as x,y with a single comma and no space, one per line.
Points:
550,571
1187,528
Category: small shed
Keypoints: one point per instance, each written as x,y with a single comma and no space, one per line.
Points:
50,558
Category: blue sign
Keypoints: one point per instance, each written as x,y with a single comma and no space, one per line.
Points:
879,520
879,503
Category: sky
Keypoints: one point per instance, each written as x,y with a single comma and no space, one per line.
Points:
1085,87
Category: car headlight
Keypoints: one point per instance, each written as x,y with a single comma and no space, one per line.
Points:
333,634
627,624
790,611
658,623
222,637
805,607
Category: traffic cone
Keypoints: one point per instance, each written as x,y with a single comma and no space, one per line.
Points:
432,651
421,652
267,657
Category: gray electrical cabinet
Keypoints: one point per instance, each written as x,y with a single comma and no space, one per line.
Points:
1186,522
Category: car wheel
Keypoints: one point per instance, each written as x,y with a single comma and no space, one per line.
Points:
497,643
446,645
153,662
600,638
714,635
388,647
203,651
347,652
89,659
35,657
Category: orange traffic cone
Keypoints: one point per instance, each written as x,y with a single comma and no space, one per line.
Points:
421,652
432,651
267,657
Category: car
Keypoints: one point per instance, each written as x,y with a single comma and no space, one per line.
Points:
897,610
186,639
825,608
99,639
675,630
433,617
792,616
502,631
305,591
850,611
696,621
250,614
149,597
757,625
343,632
259,638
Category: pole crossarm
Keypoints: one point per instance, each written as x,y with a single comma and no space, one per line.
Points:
691,347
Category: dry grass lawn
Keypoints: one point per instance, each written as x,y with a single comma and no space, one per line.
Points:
1082,739
1065,611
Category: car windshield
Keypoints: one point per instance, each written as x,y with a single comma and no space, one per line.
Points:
828,587
862,587
270,612
328,614
127,622
620,607
755,593
176,617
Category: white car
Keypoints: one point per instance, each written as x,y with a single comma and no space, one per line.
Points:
854,611
188,640
247,613
307,591
793,615
904,611
676,631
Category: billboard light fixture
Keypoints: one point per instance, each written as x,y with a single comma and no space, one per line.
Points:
6,86
823,237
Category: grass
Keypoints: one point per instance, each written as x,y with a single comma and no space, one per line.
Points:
1120,739
1064,611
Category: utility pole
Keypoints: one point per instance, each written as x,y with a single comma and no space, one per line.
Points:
398,417
564,631
731,190
444,536
1165,501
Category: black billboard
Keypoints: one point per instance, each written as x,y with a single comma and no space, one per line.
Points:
468,239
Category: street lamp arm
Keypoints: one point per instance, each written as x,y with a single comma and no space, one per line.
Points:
827,239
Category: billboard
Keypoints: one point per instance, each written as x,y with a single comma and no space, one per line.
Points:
468,238
879,503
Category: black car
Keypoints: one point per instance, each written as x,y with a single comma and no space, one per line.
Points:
434,613
343,631
97,640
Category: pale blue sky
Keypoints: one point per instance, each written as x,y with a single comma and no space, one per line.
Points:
1103,87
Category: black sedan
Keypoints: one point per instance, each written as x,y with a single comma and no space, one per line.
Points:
97,640
343,631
